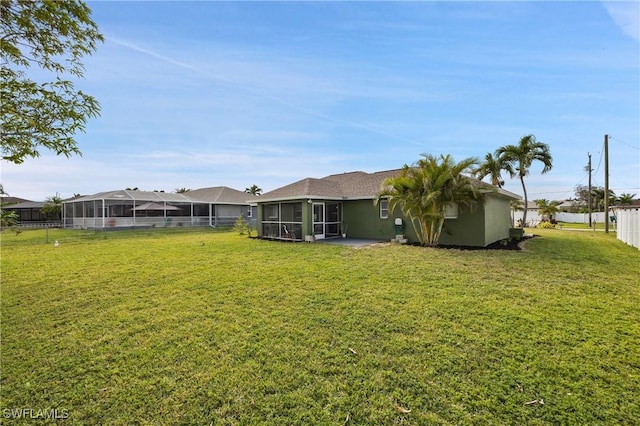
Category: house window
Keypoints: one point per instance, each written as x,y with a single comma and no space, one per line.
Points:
249,211
271,211
384,209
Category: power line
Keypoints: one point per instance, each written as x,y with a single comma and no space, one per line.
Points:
600,159
552,192
624,143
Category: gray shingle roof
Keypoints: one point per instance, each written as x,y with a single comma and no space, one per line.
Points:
125,194
216,194
220,195
350,185
27,205
8,200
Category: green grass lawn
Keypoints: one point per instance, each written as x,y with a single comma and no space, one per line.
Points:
597,225
201,327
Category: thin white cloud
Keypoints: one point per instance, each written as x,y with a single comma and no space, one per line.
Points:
260,93
626,15
355,90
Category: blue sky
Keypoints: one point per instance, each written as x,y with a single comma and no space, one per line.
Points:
198,94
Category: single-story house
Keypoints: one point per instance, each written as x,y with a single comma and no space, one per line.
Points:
7,200
29,213
215,206
344,204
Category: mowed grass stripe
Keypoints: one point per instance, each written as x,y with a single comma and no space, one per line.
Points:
185,327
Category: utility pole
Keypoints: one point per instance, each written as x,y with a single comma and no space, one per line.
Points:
606,183
589,193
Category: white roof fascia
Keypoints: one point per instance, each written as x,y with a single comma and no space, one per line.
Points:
502,192
299,197
361,197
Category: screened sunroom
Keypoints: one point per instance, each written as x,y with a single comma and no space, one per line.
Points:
219,206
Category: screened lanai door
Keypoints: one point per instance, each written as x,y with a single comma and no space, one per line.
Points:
318,220
332,219
327,219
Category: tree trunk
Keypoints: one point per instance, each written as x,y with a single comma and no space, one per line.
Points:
433,232
526,202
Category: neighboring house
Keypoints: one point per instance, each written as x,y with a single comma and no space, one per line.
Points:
571,206
7,200
29,213
216,206
533,215
227,204
344,203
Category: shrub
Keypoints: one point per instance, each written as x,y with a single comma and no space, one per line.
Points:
241,226
546,225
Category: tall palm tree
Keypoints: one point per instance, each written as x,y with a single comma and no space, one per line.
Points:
52,207
492,167
422,192
520,157
626,199
597,196
182,190
253,190
548,208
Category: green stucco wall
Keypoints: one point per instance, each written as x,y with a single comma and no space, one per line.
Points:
497,219
477,227
466,230
362,219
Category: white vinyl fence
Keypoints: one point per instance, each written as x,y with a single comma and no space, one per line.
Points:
534,218
628,229
597,217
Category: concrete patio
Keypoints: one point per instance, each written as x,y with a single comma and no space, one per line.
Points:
350,242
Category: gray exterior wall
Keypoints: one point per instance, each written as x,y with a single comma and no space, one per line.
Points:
226,215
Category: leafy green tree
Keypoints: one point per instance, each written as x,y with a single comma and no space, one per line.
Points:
253,190
492,166
422,192
54,36
582,198
520,157
52,207
548,208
